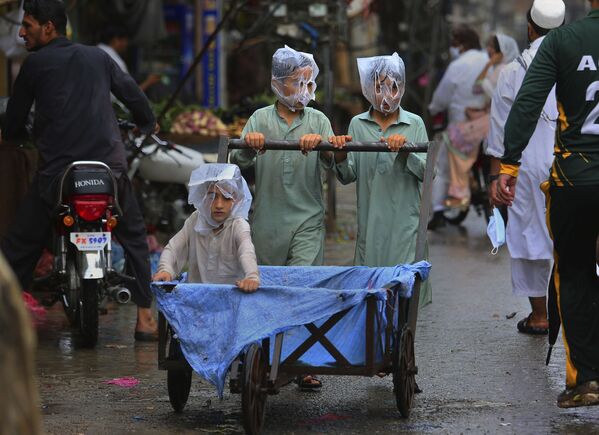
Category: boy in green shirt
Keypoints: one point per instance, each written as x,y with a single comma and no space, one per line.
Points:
288,219
388,184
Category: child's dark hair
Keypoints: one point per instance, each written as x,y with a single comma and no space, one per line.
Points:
45,11
382,67
286,66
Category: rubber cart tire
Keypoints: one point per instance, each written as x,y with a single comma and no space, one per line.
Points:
178,382
254,393
404,372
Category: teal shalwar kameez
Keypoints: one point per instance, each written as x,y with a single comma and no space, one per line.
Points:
288,219
388,190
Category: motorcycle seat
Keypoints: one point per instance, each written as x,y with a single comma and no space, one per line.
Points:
88,181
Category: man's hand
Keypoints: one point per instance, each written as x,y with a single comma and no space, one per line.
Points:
255,141
496,59
394,142
247,285
162,276
506,189
308,141
493,198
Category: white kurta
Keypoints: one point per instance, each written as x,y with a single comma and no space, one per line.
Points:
526,234
114,56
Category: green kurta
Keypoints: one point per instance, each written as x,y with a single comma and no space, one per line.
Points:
388,189
288,219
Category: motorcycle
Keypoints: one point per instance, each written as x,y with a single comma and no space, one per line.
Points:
160,171
86,212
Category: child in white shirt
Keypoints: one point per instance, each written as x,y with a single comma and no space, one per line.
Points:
215,241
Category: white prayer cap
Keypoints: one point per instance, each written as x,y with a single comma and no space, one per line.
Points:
548,14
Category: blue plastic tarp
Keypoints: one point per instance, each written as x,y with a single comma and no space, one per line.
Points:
214,323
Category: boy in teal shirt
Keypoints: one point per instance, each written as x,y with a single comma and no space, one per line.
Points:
288,219
388,184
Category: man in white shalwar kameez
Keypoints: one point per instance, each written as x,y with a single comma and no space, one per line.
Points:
528,241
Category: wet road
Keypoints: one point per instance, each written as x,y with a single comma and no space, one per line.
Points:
478,374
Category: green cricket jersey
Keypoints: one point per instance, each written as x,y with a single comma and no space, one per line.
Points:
568,58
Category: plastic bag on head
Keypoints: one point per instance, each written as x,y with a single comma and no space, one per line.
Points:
293,78
228,180
383,80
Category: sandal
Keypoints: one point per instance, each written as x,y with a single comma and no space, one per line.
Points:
308,383
586,394
525,328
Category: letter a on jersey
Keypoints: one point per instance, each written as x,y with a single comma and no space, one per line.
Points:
586,62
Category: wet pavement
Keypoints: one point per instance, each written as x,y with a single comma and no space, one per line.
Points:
477,373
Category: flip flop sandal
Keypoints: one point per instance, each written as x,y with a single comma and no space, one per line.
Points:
312,384
586,394
525,328
146,336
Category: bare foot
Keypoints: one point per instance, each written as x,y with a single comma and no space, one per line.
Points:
145,321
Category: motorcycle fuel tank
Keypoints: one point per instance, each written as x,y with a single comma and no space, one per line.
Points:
170,166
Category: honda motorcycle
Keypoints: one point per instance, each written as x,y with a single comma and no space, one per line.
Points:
87,211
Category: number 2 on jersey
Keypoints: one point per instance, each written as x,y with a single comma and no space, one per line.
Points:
590,125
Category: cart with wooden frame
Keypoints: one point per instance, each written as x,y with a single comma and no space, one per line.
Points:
260,371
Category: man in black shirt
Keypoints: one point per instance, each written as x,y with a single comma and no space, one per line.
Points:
70,85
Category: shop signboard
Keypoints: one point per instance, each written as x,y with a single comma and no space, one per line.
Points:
211,62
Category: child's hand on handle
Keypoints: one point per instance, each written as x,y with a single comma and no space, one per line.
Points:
247,285
394,142
340,141
162,276
255,141
308,142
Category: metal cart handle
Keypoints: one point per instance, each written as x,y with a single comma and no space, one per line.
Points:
430,148
293,145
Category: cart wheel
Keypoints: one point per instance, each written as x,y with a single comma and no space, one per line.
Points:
253,393
404,372
178,382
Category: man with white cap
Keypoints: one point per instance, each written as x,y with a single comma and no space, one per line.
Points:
528,241
568,59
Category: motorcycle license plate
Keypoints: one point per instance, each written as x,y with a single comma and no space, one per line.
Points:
90,241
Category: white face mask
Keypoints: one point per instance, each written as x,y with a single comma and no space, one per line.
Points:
496,231
454,53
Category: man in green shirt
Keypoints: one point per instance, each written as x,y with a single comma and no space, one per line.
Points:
568,58
388,184
288,218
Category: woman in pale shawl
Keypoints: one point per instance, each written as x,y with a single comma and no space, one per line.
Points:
502,49
464,138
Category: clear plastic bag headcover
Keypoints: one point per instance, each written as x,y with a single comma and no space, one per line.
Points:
293,78
383,80
225,178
